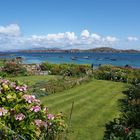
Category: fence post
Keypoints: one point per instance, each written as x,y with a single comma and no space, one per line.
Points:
71,111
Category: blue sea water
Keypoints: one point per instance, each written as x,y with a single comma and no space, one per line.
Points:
118,59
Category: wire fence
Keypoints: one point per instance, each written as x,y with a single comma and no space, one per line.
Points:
12,132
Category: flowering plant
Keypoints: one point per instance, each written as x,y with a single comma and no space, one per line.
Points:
22,115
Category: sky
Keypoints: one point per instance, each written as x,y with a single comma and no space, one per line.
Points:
69,24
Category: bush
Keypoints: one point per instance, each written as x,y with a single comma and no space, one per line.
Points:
65,69
118,74
14,69
116,130
22,115
127,127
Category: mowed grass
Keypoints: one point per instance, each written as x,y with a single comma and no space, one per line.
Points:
95,103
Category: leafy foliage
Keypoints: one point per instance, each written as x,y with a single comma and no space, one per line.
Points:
118,74
14,69
128,125
22,115
66,69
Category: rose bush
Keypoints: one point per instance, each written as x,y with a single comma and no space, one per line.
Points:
23,116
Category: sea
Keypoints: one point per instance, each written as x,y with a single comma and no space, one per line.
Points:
117,59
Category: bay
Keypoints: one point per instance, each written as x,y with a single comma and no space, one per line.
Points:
118,59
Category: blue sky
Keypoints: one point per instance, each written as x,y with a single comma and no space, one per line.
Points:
69,23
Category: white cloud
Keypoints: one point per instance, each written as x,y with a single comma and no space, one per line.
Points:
10,30
10,38
71,36
56,37
132,38
85,34
96,37
110,39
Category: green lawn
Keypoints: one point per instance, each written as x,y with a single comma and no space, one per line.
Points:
1,62
95,103
31,80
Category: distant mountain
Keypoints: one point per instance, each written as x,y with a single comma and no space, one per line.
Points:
112,50
98,50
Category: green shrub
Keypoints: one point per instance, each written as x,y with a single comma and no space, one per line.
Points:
127,127
14,69
65,69
118,74
116,130
22,115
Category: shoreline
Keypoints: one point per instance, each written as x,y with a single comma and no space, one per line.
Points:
117,59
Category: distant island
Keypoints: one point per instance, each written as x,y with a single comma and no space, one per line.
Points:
97,50
112,50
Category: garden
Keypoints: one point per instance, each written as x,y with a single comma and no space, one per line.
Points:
80,102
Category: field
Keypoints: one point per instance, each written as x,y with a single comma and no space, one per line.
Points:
95,103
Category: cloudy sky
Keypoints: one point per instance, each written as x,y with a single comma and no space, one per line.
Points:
69,24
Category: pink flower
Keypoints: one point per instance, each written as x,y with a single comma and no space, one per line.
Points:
35,108
4,81
17,88
21,88
50,116
3,111
30,98
38,122
20,116
24,88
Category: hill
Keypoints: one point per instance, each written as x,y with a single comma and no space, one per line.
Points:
112,50
98,50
